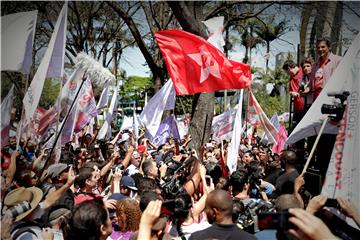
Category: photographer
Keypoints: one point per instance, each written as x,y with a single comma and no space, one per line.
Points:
219,207
259,188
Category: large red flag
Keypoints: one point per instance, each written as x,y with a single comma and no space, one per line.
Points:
196,66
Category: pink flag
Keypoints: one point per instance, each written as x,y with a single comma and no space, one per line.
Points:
257,117
281,138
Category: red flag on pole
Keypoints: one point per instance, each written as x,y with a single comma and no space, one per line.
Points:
196,66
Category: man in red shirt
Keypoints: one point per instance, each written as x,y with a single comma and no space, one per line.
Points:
296,74
325,65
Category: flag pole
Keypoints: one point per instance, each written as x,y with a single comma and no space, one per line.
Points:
290,118
63,125
315,144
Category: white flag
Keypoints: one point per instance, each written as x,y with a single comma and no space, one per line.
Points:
17,38
164,99
52,65
104,98
105,130
343,174
136,123
127,123
6,106
236,137
215,27
341,80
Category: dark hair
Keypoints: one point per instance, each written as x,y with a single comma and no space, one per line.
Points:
324,39
288,64
87,220
238,179
146,197
307,60
84,174
146,166
146,184
253,166
250,153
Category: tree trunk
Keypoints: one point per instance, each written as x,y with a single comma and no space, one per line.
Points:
303,29
267,56
203,104
156,71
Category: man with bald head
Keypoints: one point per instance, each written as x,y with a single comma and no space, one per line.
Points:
219,207
285,183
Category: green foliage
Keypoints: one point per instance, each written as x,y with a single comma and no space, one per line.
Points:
274,102
183,103
134,88
49,94
276,76
269,104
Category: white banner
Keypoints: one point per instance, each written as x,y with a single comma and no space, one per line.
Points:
222,125
343,174
52,65
17,38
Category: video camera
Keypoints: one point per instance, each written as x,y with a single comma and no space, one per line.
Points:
248,218
337,109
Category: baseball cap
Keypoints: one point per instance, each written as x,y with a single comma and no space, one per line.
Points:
56,169
128,182
141,148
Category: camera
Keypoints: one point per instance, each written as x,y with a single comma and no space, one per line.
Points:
336,109
18,209
278,220
248,217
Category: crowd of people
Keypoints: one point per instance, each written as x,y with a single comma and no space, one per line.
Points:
128,188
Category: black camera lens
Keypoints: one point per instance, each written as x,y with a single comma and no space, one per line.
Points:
18,209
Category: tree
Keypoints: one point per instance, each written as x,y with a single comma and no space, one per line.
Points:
134,88
154,13
269,32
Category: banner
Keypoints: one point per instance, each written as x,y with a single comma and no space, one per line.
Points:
52,65
343,174
152,113
17,38
222,125
105,130
86,106
6,106
236,137
257,117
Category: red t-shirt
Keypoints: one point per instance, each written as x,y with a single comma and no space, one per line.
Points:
294,84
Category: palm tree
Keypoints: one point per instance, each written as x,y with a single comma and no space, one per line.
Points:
249,41
269,32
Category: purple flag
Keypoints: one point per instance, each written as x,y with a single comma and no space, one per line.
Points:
167,129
